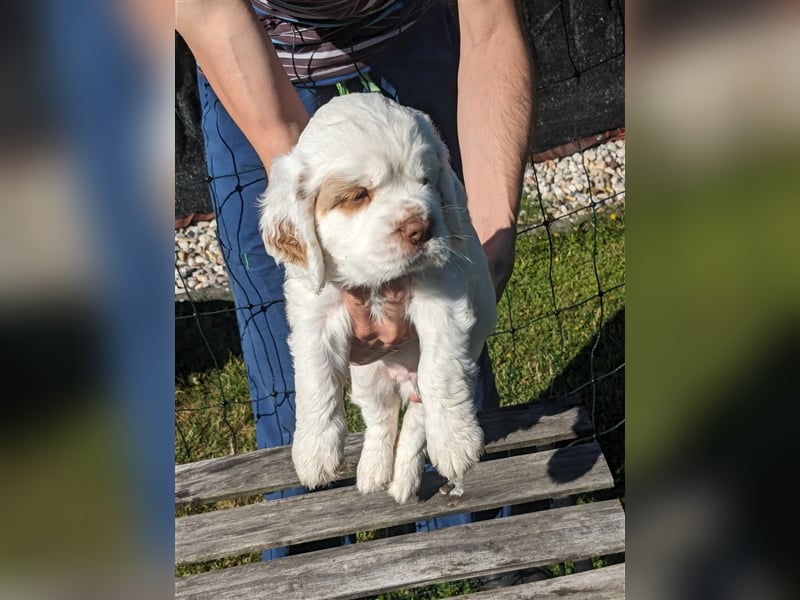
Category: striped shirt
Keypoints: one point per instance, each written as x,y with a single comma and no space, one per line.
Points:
329,41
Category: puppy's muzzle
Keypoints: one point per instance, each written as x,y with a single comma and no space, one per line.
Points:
416,230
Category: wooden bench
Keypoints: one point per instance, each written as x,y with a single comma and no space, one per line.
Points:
534,465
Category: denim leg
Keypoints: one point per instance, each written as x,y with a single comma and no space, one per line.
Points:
237,178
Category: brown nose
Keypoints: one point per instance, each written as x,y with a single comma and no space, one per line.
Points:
416,230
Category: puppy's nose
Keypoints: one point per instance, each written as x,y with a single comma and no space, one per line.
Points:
416,230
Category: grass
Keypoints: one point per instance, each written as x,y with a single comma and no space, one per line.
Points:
561,329
561,326
553,308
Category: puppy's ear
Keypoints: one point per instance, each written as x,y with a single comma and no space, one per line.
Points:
287,221
449,186
454,199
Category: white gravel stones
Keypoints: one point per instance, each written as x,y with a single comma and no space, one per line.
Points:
570,188
198,260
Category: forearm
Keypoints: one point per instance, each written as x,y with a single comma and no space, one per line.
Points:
494,112
241,65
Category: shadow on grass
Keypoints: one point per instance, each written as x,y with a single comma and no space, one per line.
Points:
598,373
593,377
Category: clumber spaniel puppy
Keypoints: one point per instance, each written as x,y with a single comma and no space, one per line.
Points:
368,196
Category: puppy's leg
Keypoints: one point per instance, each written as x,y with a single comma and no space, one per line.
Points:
320,429
410,456
454,436
375,393
318,446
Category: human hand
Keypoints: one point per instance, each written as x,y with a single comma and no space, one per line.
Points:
500,251
374,338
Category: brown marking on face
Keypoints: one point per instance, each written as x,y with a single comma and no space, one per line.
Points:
283,241
342,195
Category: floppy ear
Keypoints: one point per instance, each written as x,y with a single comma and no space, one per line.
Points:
454,199
288,222
449,186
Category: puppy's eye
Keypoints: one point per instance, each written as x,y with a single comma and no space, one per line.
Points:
357,196
425,181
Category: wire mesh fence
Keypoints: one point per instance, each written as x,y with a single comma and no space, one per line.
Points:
560,329
561,320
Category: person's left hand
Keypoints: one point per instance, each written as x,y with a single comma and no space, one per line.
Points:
500,251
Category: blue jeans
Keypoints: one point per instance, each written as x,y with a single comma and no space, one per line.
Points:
420,71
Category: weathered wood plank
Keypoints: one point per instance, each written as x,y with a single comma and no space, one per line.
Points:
535,424
330,513
264,471
471,550
607,583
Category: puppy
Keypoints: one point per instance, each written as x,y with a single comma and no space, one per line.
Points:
365,197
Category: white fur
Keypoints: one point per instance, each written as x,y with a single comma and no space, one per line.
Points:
394,151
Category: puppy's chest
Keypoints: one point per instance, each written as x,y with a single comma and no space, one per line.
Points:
400,367
404,379
401,374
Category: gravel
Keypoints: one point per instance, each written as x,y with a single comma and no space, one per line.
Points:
198,260
568,197
572,187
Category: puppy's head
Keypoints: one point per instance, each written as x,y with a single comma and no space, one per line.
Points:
367,195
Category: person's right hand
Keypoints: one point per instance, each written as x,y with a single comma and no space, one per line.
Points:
375,338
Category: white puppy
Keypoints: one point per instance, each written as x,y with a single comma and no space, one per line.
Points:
367,196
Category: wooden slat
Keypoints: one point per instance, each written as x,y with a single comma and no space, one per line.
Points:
607,583
262,471
331,513
535,424
471,550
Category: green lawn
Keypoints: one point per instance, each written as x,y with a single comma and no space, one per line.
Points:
561,326
561,329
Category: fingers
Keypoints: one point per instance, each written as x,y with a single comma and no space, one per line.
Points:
391,328
374,338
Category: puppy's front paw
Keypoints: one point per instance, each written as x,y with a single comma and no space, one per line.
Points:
403,488
455,447
407,476
318,458
374,469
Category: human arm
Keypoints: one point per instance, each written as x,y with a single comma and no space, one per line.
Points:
495,102
242,66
